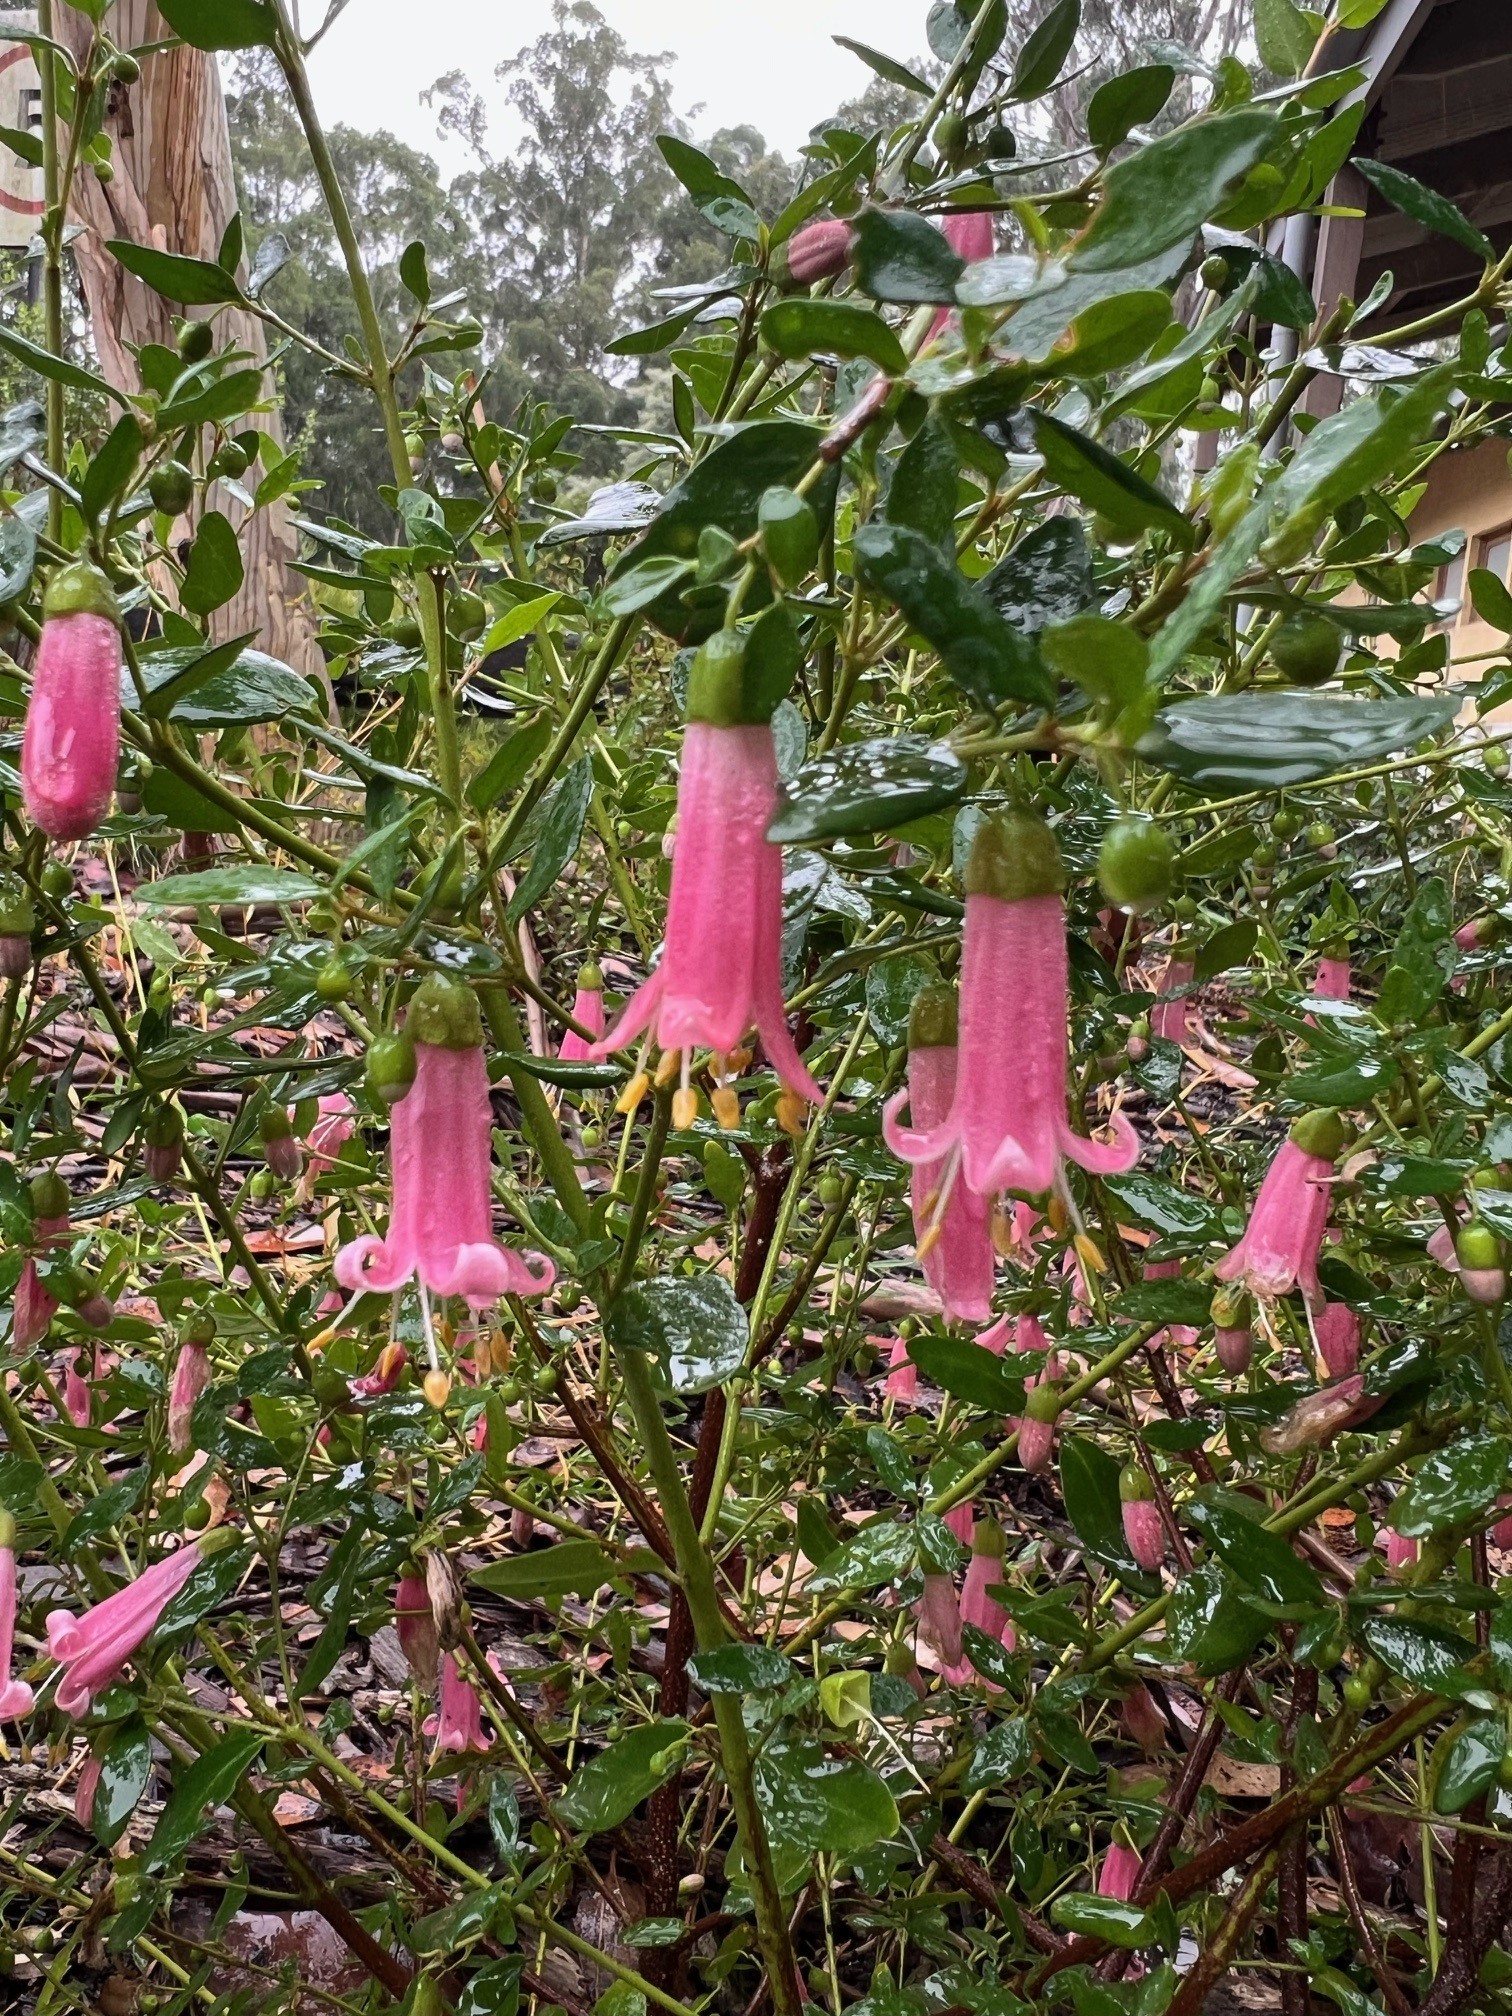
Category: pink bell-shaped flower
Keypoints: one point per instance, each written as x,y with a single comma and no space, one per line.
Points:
385,1376
335,1124
587,1009
1332,979
1501,1532
15,1695
1337,1329
938,1612
970,235
72,742
819,251
721,966
459,1725
902,1381
984,1572
1168,1018
1007,1126
94,1649
1401,1550
1233,1313
1284,1237
1119,1872
441,1223
961,1520
415,1623
1144,1529
952,1224
1317,1417
34,1307
191,1377
18,920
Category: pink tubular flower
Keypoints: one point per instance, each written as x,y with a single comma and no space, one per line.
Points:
1332,980
1337,1329
93,1649
1501,1532
385,1375
1281,1244
191,1376
818,252
587,1009
459,1726
1235,1349
415,1623
334,1126
938,1612
961,1519
72,741
18,920
1007,1127
1036,1443
15,1695
984,1572
902,1381
34,1307
1318,1417
952,1224
1401,1551
1168,1018
1144,1529
78,1393
1119,1872
721,966
441,1223
970,236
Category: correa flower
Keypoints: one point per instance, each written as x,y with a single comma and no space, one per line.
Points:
985,1572
938,1612
1168,1018
1332,979
191,1377
587,1009
15,1695
385,1375
93,1649
18,920
1281,1244
163,1143
1401,1550
441,1224
1337,1329
459,1725
78,1388
961,1519
335,1124
35,1307
1119,1872
415,1623
902,1381
72,742
721,964
1144,1529
952,1224
1144,1721
819,251
1318,1417
281,1151
1501,1532
1007,1127
970,236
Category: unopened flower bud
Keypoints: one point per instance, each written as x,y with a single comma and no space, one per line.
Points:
164,1144
817,252
280,1149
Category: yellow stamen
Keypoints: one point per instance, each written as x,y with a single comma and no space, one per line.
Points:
738,1061
792,1115
684,1106
931,1203
1090,1254
931,1239
1004,1244
668,1068
1055,1214
726,1107
437,1388
633,1093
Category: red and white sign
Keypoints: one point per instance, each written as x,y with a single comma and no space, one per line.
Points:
21,203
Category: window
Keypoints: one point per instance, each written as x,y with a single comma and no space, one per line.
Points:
1494,550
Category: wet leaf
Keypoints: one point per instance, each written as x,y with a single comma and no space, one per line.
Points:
1210,1622
741,1669
1429,1659
610,1786
1089,1485
1424,206
715,194
560,835
1105,483
1003,1754
891,985
208,1782
985,656
815,1804
881,1552
868,787
1451,1485
246,884
801,327
566,1568
193,283
692,1326
221,24
1045,50
1422,959
1122,1925
125,1769
1471,1765
969,1372
1159,196
901,256
1264,741
1257,1556
1046,578
1284,36
1131,99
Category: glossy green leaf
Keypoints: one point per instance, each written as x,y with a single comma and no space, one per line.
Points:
1257,1556
609,1787
558,840
1160,195
985,656
1492,599
1210,1622
1089,1486
884,66
1045,578
34,358
1423,958
1130,99
1156,1202
216,569
1425,206
193,283
1471,1764
1452,1485
248,884
1121,1925
125,1768
1102,481
112,467
572,1073
868,787
717,197
220,24
1284,35
968,1372
252,688
221,399
1045,50
510,763
923,490
891,986
1003,1755
741,1669
1358,447
815,1804
444,1931
18,558
691,1324
1429,1659
800,327
27,146
901,256
881,1552
208,1782
1107,660
1110,335
1227,948
1264,741
565,1568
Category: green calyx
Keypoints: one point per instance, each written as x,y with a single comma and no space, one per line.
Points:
80,590
49,1196
7,1529
717,689
590,979
987,1538
1043,1402
18,916
274,1125
933,1019
1322,1133
198,1329
1134,1484
1477,1246
444,1013
1014,857
165,1129
1230,1308
391,1068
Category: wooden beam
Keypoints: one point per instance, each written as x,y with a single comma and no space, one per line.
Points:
1336,269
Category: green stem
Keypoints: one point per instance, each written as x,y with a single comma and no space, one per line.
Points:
52,269
535,1111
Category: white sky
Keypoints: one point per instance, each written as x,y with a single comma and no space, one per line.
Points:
769,63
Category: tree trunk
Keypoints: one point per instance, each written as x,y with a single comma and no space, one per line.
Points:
174,188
